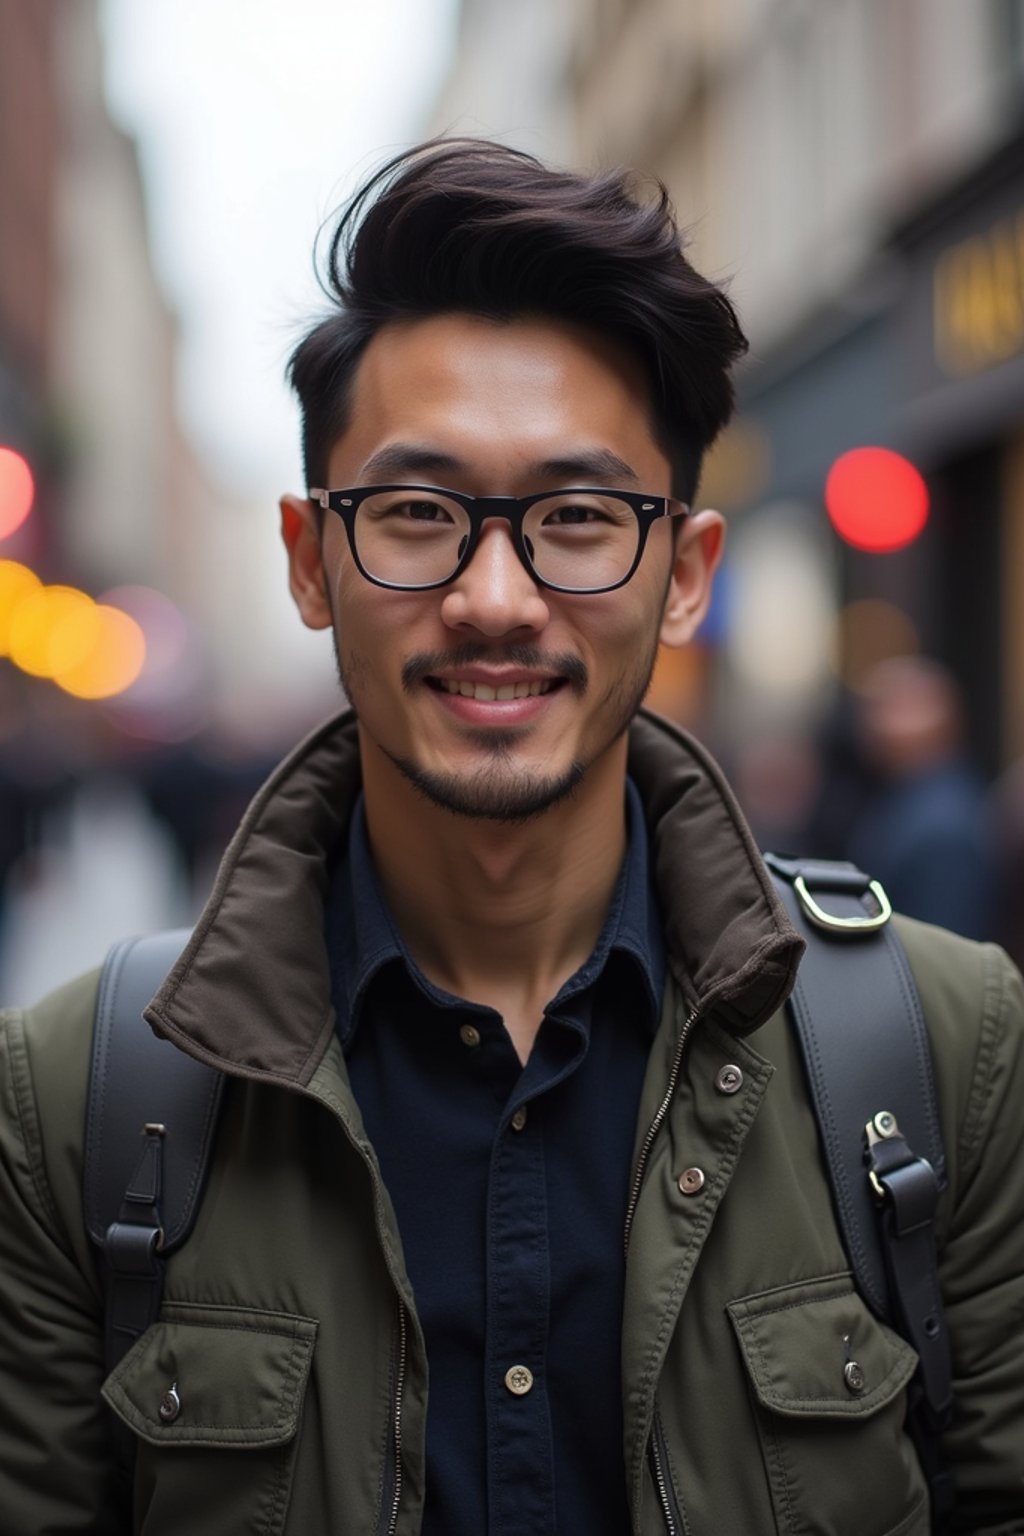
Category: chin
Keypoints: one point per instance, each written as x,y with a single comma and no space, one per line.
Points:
499,790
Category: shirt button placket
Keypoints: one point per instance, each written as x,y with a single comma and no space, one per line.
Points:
519,1449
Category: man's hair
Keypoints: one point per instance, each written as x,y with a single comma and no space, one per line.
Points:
467,225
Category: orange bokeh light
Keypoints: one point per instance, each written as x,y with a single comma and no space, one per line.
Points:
876,499
16,583
97,652
33,623
17,491
91,650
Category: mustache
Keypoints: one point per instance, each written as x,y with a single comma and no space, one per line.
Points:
564,665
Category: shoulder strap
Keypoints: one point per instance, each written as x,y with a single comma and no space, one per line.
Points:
868,1061
151,1117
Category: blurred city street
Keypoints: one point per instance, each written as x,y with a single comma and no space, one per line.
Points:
855,172
104,869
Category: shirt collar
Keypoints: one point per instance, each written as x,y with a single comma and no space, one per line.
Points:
362,936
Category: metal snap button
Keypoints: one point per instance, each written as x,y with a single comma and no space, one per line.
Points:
170,1405
469,1034
518,1120
691,1181
853,1375
519,1380
729,1079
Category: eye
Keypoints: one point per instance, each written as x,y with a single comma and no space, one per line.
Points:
421,511
585,510
571,514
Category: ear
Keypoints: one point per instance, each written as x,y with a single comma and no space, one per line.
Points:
697,553
301,534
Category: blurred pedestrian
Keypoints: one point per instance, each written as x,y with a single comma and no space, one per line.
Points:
924,832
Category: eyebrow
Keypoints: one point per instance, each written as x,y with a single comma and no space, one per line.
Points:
408,459
600,465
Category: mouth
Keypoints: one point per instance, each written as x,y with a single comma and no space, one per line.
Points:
487,693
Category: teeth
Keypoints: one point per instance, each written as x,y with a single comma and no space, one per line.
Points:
485,692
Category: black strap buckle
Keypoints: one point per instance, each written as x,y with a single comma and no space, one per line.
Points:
898,1176
132,1246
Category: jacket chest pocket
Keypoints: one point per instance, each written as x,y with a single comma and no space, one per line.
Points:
828,1382
213,1396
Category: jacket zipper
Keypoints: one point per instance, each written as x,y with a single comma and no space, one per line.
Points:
391,1485
395,1455
656,1123
674,1522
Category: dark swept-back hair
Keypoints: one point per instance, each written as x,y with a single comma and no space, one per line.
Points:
473,226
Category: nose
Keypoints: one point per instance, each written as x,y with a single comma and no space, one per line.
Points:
495,594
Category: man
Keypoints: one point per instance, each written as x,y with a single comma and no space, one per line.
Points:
517,1219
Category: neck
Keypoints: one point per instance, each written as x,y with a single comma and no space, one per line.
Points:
498,913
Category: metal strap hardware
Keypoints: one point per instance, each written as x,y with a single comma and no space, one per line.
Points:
835,897
827,920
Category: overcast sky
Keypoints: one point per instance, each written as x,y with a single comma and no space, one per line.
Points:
254,118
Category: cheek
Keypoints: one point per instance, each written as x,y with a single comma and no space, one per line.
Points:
618,625
381,628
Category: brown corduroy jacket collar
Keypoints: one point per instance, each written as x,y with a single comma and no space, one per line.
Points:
251,991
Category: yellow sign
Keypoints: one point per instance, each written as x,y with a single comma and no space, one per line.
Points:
979,299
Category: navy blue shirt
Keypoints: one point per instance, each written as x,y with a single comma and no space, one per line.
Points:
510,1186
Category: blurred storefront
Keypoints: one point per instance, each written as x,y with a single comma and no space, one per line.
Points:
925,357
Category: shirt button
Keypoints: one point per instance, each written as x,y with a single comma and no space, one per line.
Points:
691,1181
469,1034
170,1405
519,1118
519,1380
729,1079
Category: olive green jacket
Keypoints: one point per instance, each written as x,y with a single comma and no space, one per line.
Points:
289,1328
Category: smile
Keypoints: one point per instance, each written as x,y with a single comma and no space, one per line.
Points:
486,692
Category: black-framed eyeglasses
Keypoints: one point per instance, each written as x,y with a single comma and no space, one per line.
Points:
415,537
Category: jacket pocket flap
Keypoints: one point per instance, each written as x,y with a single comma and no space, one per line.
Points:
215,1376
814,1350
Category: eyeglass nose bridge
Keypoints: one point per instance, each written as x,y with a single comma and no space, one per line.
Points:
510,510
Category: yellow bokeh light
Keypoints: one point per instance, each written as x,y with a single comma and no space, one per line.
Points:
16,583
72,639
98,652
33,624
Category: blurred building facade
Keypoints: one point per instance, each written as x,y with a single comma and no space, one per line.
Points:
28,164
855,170
123,510
87,339
88,395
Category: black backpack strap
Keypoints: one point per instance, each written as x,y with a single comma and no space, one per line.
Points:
151,1117
868,1061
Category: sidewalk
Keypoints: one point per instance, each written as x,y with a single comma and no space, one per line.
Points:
106,869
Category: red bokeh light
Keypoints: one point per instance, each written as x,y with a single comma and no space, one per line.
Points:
17,491
876,499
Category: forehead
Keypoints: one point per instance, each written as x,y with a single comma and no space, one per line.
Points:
499,397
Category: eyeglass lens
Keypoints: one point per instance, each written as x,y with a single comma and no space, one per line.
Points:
580,541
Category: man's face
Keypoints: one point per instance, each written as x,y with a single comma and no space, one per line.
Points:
488,408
